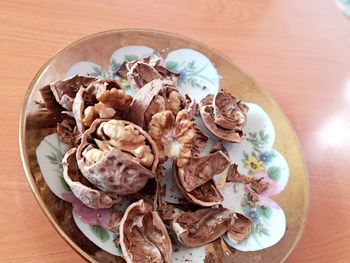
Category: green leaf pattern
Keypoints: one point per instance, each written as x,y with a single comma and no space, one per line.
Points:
101,233
55,158
190,74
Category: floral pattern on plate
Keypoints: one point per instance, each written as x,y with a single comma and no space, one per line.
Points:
254,155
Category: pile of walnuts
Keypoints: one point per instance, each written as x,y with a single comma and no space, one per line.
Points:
118,144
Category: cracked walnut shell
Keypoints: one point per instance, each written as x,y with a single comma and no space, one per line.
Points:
103,98
143,235
224,115
117,157
194,229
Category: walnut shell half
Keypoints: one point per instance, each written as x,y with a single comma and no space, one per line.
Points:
239,228
111,167
156,96
194,229
82,188
147,69
103,98
224,115
202,169
143,235
63,92
205,195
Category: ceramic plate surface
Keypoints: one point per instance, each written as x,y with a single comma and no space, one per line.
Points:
270,149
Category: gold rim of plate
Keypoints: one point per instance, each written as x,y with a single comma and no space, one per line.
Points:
294,199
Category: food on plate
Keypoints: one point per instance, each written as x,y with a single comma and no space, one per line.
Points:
239,228
156,96
205,195
143,71
103,98
194,229
63,92
82,188
119,146
224,115
143,236
117,156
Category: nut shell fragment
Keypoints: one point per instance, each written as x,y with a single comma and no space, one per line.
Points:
224,115
82,188
65,130
143,235
145,70
203,226
239,228
236,177
63,92
202,169
205,195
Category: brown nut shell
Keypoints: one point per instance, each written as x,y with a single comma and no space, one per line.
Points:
87,98
194,229
202,169
117,173
239,228
224,115
147,69
63,92
143,235
82,188
152,98
205,195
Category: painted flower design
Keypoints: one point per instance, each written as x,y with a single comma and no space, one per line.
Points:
253,164
253,215
266,157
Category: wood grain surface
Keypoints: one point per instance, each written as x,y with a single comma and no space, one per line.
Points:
298,50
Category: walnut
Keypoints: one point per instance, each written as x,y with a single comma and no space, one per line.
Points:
157,105
118,158
173,135
104,112
125,138
93,155
114,98
82,188
168,99
173,103
100,110
103,98
90,114
156,96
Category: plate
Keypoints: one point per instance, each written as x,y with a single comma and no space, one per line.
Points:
270,149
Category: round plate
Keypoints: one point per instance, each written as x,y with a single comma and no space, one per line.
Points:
35,124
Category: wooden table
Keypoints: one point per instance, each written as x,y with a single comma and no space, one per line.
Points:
299,50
